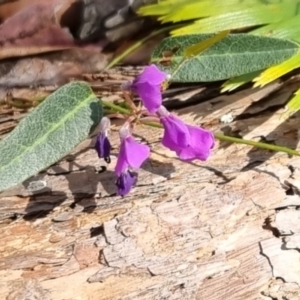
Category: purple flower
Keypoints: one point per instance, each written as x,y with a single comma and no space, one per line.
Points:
131,156
189,142
103,145
125,181
148,87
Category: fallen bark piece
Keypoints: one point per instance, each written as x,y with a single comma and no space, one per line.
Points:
104,274
48,272
285,263
22,34
278,289
52,68
27,289
292,242
288,221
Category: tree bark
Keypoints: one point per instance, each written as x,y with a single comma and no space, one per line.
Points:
210,230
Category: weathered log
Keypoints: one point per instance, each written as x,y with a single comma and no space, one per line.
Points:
210,230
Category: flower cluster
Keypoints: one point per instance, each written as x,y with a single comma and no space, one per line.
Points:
188,141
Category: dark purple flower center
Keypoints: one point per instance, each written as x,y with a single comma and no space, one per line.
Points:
125,182
103,147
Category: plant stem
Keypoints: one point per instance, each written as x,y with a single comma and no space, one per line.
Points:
230,139
266,146
151,124
139,44
116,108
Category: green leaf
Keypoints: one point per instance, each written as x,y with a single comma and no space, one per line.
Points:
286,29
201,9
235,17
216,15
277,71
293,105
235,55
161,8
238,81
51,131
198,48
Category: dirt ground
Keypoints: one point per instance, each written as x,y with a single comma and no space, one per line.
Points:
227,228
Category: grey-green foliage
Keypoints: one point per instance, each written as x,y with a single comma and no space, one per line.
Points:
235,55
53,129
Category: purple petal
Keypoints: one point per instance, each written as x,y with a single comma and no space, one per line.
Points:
136,153
176,134
152,75
125,182
150,95
132,154
103,147
122,163
104,124
201,142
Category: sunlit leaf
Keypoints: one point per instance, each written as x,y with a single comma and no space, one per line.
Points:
235,19
161,8
238,81
293,106
235,55
200,9
51,131
277,71
198,48
286,29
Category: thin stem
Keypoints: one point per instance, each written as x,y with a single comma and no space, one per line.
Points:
151,124
18,104
183,60
138,44
230,139
271,147
116,108
129,101
150,118
115,116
